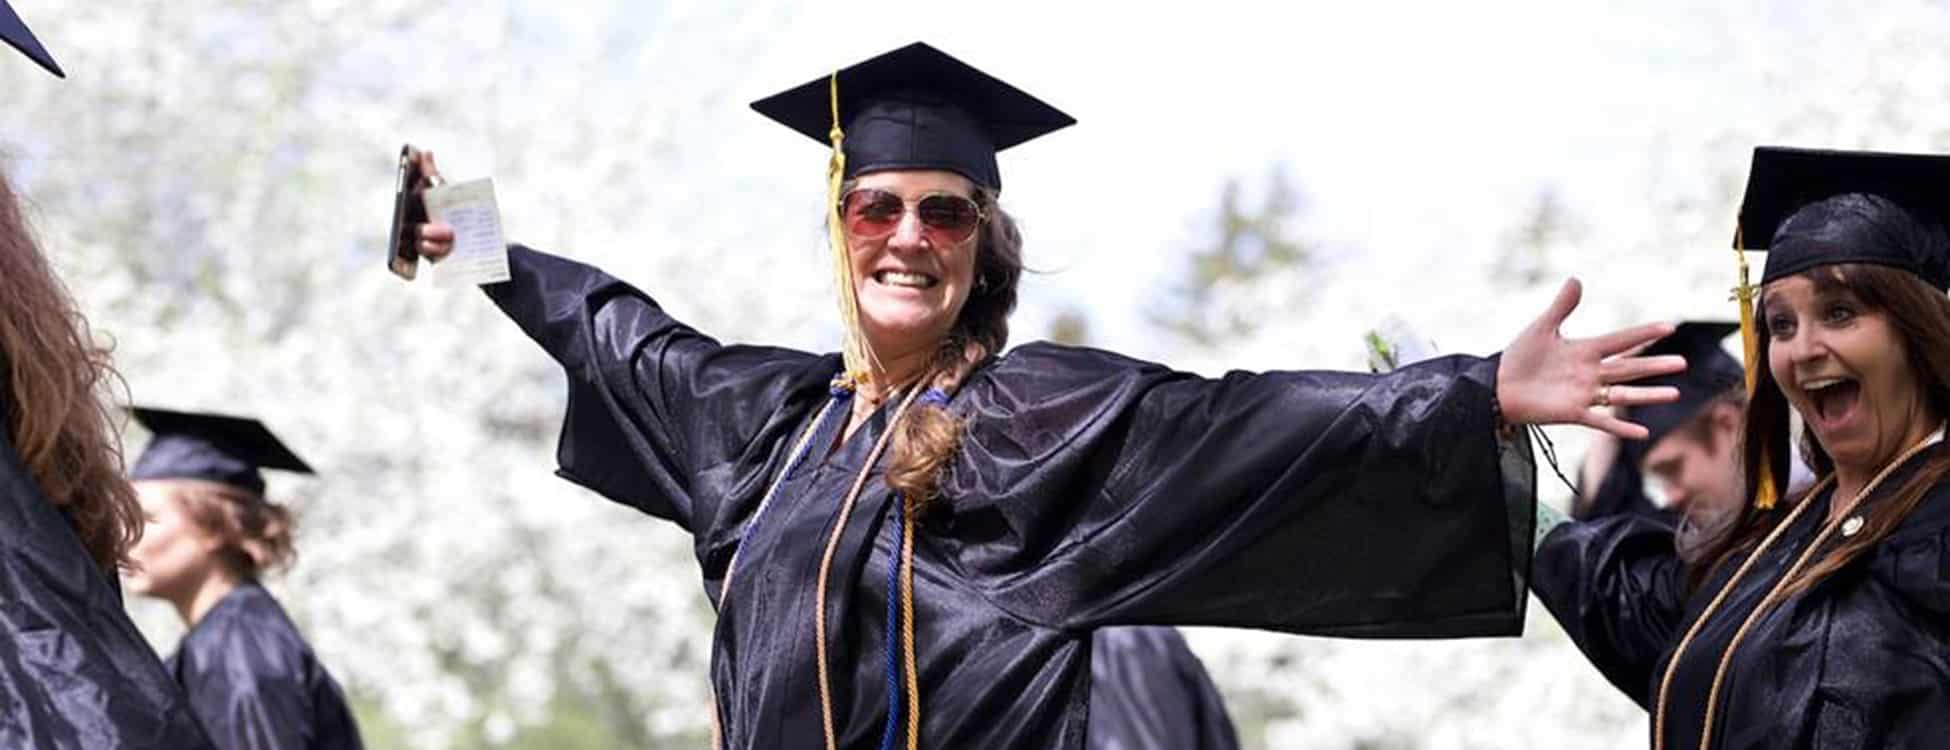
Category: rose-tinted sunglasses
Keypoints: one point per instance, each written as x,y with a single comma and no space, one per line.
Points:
946,218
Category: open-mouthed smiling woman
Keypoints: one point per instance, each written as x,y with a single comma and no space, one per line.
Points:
1822,621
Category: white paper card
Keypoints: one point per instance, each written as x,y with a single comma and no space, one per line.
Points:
480,251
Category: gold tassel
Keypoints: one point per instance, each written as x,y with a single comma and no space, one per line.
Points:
1744,295
853,346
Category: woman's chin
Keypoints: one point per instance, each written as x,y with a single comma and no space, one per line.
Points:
138,585
1857,453
903,330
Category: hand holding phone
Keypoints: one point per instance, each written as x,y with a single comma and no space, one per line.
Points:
416,174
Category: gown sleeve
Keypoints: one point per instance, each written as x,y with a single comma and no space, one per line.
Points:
1092,489
660,417
1618,587
74,671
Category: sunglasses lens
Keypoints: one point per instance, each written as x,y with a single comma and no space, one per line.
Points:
952,217
871,214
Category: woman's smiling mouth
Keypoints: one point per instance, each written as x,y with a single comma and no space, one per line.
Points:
905,279
1834,400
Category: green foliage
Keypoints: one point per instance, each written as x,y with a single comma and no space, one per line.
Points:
1071,327
1247,244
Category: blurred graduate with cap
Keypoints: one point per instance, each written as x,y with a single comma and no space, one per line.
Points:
1689,459
911,541
74,671
1816,618
251,677
1148,690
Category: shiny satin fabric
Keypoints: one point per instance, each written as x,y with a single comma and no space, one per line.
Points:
1150,692
254,682
1090,489
1860,661
75,674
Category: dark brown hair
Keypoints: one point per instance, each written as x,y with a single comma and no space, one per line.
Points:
56,378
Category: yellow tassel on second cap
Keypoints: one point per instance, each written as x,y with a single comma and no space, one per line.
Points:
1744,295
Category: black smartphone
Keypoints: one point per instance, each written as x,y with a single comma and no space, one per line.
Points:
409,212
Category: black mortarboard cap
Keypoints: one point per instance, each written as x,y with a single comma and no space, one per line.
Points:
1710,371
211,447
1783,181
917,108
15,32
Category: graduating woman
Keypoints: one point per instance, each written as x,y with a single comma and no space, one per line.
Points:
910,542
1821,621
251,677
74,672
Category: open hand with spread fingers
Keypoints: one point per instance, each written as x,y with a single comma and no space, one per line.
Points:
1544,378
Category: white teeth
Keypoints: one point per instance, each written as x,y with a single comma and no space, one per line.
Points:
1820,383
899,278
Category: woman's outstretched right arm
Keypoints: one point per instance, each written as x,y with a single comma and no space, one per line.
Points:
660,417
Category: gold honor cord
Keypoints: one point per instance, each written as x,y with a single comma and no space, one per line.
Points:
907,630
826,565
1745,295
1672,665
731,568
1773,596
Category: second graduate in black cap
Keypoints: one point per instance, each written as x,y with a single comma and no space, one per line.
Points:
1817,621
253,680
1690,453
909,543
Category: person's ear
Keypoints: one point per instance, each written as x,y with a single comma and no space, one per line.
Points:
1726,421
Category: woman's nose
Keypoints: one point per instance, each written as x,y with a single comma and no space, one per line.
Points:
908,233
1806,347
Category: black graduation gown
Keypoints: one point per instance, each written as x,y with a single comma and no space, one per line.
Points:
1089,490
1149,692
255,683
1860,661
75,674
